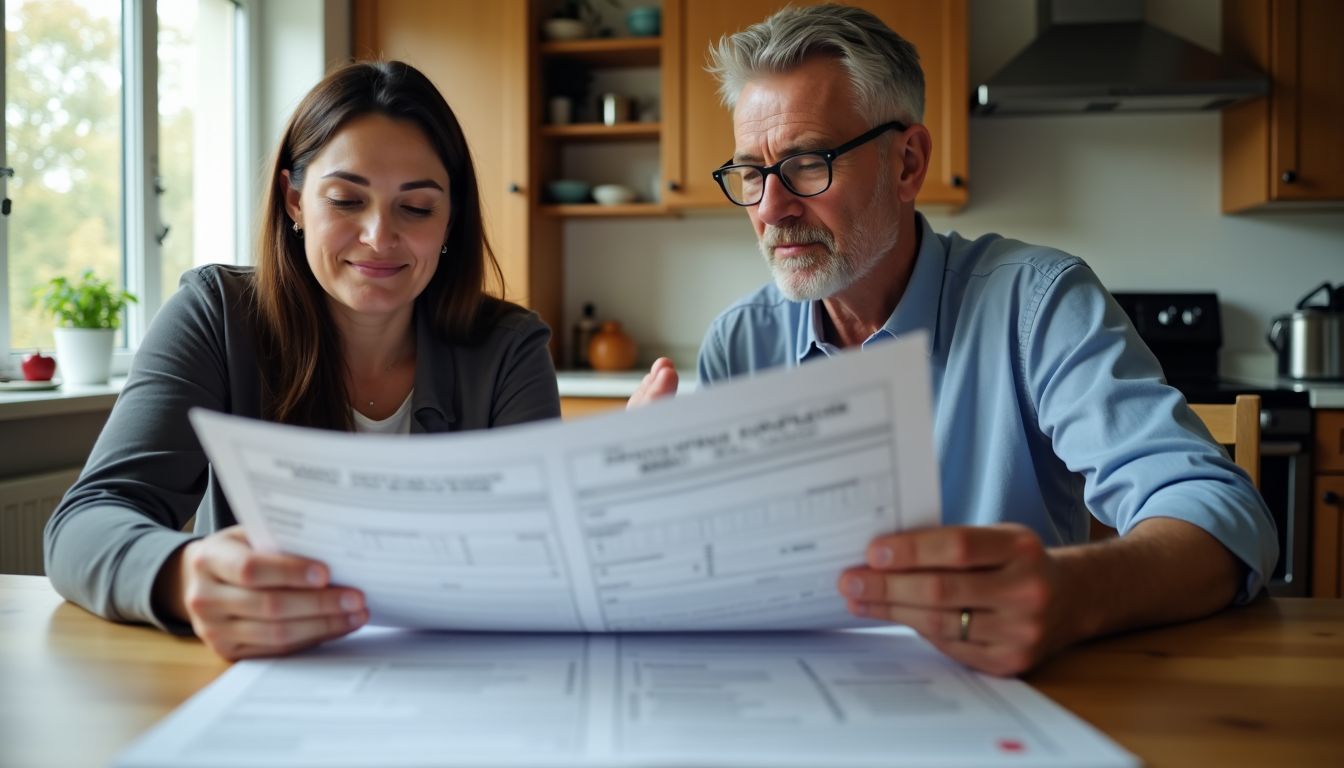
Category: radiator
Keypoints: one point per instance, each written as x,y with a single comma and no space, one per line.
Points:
25,504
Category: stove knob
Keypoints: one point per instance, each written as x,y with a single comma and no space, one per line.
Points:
1191,316
1166,316
1266,419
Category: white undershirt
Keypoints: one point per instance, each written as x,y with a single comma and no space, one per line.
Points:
398,423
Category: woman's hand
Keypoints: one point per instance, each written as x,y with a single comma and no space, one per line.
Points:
243,603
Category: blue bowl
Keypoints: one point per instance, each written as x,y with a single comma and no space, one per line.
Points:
568,190
644,21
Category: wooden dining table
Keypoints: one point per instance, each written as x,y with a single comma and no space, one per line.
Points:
1261,684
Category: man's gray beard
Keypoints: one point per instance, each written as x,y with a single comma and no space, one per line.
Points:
831,272
804,278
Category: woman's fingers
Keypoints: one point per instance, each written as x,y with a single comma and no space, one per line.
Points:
243,638
246,603
230,558
226,601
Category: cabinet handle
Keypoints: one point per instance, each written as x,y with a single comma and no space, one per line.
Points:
1330,497
514,188
1289,177
674,186
958,181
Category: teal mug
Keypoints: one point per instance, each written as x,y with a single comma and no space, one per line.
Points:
644,21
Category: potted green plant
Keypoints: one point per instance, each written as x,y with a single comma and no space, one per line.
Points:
87,313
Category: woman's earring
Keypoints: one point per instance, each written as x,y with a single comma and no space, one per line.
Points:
298,230
444,250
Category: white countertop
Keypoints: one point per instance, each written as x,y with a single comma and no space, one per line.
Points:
73,399
620,384
1324,395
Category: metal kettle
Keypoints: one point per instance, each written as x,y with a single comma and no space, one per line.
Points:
1310,340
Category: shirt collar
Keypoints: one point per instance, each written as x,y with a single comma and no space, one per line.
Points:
917,309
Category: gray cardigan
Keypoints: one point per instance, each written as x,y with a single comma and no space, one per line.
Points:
147,475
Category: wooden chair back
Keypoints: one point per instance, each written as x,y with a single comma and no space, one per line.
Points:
1235,424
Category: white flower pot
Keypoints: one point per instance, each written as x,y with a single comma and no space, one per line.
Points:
84,355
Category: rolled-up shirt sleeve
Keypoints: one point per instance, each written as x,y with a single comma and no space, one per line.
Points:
1140,450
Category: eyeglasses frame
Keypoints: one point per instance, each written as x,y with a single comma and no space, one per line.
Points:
829,155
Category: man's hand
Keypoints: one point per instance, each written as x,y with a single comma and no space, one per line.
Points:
244,603
659,382
1001,574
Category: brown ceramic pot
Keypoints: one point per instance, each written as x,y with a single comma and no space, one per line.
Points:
611,349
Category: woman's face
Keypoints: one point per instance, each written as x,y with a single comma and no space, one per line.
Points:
374,209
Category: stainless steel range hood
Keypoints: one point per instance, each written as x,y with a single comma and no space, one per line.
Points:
1093,56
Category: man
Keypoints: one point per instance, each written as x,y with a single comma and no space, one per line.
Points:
1046,404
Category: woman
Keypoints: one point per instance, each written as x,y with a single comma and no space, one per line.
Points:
366,311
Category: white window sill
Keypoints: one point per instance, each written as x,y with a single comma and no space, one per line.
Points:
67,398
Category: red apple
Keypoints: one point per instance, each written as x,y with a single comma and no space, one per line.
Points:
38,367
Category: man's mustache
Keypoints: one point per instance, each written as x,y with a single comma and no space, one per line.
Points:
775,236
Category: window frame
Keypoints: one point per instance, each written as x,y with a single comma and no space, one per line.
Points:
141,254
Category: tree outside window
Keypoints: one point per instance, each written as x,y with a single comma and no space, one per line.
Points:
63,138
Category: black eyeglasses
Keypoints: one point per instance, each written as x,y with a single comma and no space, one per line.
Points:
805,174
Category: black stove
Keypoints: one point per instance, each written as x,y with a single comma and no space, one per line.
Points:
1184,331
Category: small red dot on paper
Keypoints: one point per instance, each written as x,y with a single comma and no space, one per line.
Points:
1011,745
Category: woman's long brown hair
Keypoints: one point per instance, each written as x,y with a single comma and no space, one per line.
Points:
299,349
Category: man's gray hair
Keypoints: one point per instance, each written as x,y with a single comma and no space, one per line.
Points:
883,66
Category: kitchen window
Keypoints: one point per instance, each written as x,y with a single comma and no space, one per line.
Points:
122,122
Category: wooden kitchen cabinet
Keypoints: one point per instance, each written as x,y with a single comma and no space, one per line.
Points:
579,407
1327,530
489,61
483,58
594,55
1285,149
699,130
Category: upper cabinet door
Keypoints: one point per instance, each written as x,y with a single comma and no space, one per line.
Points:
700,129
1285,148
476,55
1307,100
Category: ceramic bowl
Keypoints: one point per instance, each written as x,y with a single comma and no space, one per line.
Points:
568,190
563,29
644,21
613,194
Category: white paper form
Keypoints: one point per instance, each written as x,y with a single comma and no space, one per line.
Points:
731,509
834,699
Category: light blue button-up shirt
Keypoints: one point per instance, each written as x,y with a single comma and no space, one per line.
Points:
1046,405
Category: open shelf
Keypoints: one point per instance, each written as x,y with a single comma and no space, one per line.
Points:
594,210
602,132
608,51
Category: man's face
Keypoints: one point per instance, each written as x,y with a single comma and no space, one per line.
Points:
817,246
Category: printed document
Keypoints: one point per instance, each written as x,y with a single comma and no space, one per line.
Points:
734,508
401,698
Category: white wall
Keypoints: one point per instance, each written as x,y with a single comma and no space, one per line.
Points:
1137,196
291,45
297,42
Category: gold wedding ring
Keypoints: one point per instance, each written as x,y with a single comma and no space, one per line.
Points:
965,624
